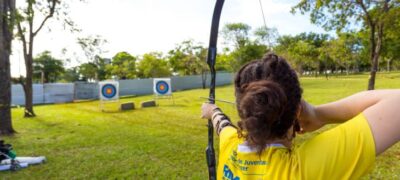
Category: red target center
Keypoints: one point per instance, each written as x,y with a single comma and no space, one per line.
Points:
162,87
109,91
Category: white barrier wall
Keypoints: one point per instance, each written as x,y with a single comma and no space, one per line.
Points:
194,82
178,83
18,96
85,90
135,87
68,92
44,94
58,93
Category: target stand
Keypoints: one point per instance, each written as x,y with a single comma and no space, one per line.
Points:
162,89
108,93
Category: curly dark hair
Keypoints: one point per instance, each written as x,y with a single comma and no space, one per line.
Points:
268,95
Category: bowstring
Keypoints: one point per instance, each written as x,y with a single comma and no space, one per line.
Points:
263,15
265,23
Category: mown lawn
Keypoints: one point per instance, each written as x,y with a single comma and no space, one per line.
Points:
164,142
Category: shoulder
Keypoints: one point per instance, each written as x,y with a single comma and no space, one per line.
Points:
345,151
228,134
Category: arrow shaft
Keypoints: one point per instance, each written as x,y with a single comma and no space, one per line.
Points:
218,100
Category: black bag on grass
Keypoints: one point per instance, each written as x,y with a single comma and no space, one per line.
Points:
6,151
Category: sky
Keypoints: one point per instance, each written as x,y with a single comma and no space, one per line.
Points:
141,26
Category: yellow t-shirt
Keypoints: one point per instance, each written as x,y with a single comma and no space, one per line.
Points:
344,152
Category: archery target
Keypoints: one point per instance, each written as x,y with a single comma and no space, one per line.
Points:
162,86
109,90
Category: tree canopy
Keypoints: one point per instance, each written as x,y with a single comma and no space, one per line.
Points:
342,15
153,65
48,66
123,66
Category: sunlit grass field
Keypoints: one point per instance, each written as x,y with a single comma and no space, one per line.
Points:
163,142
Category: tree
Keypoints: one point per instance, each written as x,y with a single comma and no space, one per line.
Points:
391,45
101,64
94,71
71,74
188,58
123,65
345,50
324,56
202,69
88,71
246,49
92,47
236,34
266,36
304,55
303,51
339,53
152,65
338,15
285,43
7,19
248,52
27,32
226,62
47,67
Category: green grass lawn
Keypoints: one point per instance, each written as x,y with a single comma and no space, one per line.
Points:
164,142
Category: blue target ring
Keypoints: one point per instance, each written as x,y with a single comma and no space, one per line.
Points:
109,91
162,87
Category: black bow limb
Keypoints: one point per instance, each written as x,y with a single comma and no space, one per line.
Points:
211,59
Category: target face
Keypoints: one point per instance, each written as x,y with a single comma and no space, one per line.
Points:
162,87
109,91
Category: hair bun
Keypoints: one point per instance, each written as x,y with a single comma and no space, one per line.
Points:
261,96
261,108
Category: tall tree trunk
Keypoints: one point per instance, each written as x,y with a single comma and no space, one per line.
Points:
375,57
28,87
357,67
27,36
389,61
300,68
371,81
326,74
376,49
7,8
336,70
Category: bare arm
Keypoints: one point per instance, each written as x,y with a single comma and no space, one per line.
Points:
345,109
380,107
384,120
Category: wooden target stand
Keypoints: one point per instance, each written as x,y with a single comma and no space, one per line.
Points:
108,95
162,89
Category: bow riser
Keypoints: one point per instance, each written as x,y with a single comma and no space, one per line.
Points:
211,59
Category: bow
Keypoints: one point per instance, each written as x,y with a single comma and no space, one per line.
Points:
212,53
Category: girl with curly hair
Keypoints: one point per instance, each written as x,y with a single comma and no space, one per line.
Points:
271,110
